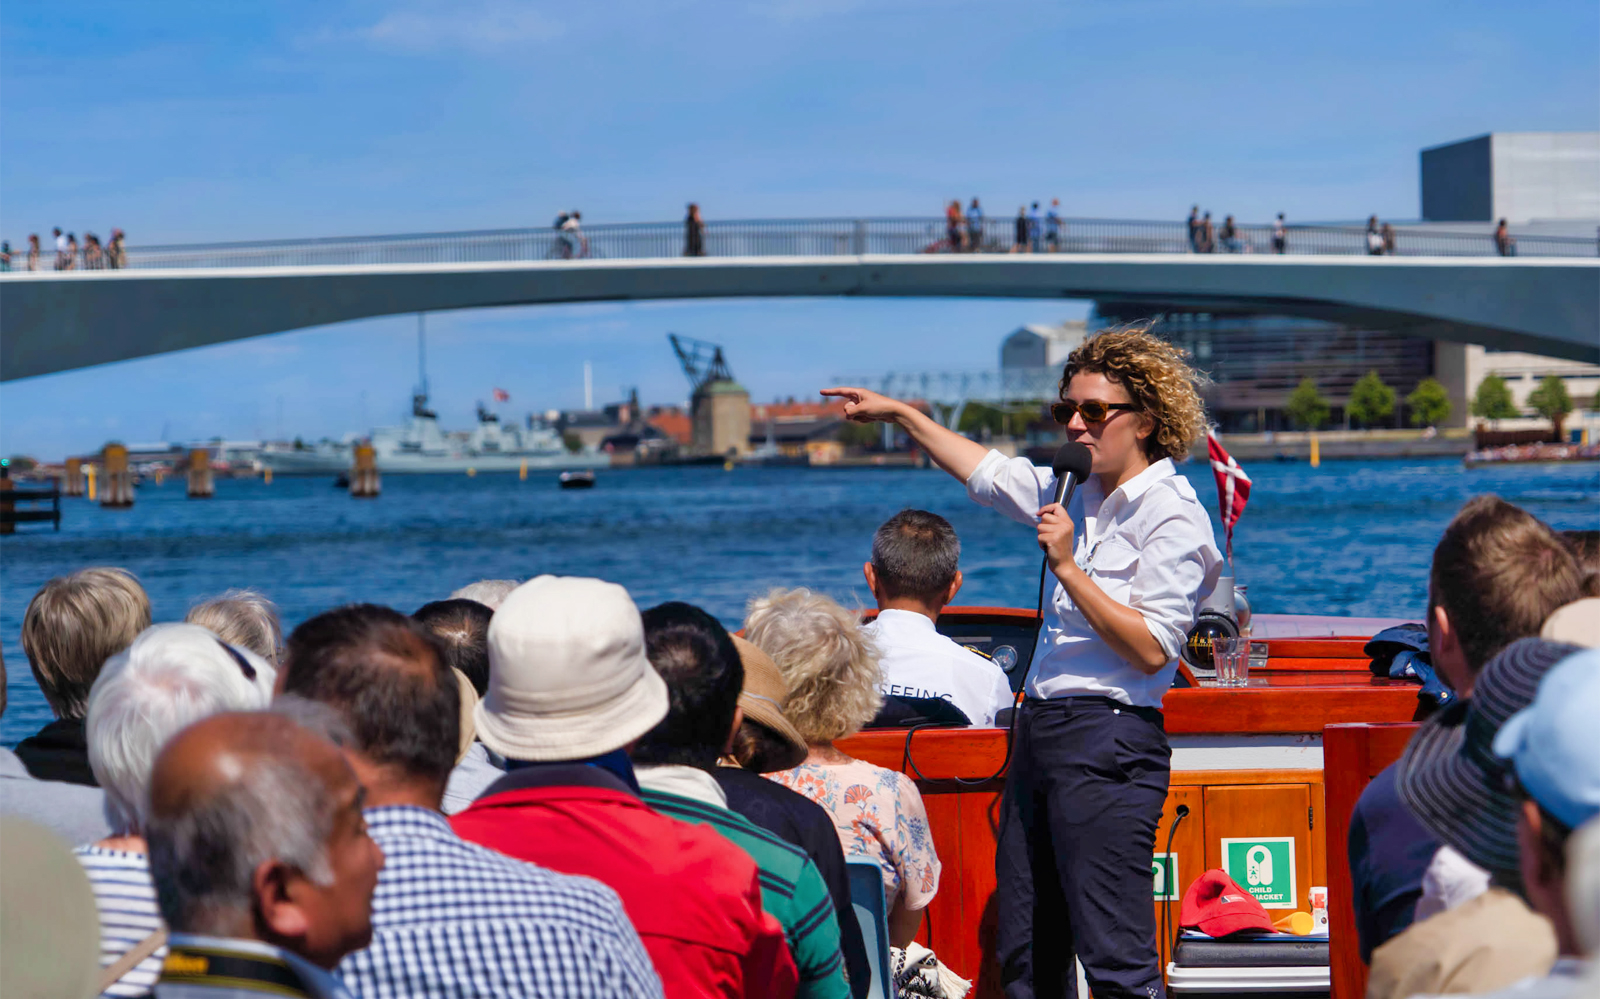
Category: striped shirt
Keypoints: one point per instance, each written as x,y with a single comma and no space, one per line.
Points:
453,919
791,888
125,898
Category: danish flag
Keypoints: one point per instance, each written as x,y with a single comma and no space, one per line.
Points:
1233,486
501,395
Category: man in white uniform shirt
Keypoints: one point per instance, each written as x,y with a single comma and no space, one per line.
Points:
913,574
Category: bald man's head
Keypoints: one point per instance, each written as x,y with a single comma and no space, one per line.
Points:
255,831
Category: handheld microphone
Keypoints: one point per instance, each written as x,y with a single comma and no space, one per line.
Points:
1071,466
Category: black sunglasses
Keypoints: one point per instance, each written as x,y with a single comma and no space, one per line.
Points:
248,670
1092,410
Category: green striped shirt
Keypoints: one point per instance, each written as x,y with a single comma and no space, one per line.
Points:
791,889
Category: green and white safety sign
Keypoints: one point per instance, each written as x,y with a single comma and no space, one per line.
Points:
1164,868
1264,867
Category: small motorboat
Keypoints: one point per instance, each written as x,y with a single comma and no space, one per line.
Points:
582,479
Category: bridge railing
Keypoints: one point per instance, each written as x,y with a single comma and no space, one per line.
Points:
821,237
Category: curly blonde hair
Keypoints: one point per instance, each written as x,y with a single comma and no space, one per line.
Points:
1158,378
828,664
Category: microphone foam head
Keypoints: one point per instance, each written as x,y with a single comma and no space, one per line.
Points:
1072,458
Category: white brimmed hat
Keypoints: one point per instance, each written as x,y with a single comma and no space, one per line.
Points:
568,676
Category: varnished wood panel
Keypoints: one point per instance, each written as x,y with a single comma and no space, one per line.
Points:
1351,756
1242,811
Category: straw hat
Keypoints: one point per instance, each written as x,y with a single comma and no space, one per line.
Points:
1449,776
568,676
764,697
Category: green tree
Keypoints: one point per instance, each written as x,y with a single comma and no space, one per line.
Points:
1551,401
1493,400
1306,406
1429,403
573,442
1370,400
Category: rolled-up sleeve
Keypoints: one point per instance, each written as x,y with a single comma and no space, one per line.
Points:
1015,487
1178,566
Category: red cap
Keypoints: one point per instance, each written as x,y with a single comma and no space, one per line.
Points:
1217,907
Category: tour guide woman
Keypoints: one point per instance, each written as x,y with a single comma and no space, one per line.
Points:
1132,557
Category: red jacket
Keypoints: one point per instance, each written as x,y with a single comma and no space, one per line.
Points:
694,897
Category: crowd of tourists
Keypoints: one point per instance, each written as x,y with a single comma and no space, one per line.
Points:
520,789
69,255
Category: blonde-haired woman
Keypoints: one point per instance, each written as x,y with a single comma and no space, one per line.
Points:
1132,556
831,670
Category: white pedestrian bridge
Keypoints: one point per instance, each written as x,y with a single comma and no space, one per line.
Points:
1446,284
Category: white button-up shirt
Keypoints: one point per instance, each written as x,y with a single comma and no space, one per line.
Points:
917,661
1148,545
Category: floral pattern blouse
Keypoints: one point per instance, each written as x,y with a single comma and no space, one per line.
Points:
879,815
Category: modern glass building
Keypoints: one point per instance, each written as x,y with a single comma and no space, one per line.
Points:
1256,361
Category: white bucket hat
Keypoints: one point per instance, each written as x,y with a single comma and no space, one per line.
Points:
568,675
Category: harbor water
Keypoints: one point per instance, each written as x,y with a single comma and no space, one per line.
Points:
1349,538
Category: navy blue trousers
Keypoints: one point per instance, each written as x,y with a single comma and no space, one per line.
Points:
1077,832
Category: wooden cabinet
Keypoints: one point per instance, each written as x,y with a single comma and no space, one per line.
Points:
1252,831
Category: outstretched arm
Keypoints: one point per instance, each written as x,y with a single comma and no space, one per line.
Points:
948,449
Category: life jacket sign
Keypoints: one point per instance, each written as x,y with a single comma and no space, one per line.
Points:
1264,867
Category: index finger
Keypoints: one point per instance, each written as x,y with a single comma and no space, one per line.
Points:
845,392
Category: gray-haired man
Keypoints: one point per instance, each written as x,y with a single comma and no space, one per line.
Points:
914,572
260,857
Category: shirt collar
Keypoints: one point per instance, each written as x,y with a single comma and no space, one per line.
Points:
407,819
907,619
685,782
1141,483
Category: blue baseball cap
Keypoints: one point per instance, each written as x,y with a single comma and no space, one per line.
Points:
1554,743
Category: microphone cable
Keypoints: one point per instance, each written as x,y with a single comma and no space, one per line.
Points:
1166,902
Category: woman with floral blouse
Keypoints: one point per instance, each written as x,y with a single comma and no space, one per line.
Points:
831,670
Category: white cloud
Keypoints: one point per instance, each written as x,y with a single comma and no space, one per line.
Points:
484,26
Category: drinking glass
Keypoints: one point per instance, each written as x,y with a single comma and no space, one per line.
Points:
1232,656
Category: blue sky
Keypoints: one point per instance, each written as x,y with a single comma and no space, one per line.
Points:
205,121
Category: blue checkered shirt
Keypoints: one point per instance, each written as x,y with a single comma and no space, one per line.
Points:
453,919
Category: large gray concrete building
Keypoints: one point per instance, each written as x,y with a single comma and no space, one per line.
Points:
1517,176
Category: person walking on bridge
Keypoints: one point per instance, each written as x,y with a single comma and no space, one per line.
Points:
974,227
953,225
1280,235
694,233
1020,238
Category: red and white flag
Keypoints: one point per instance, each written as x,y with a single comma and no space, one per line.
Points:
501,395
1233,487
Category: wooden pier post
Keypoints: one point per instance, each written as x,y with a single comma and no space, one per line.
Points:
118,489
202,482
364,473
72,484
